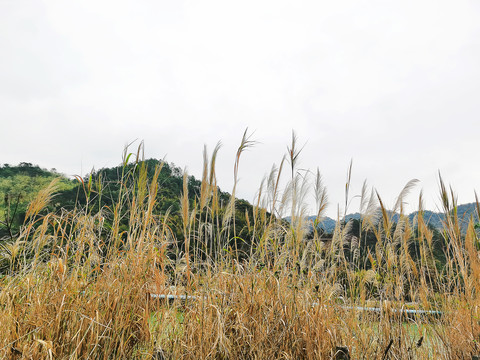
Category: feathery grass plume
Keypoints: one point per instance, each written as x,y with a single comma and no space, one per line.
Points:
273,195
321,200
147,216
472,283
321,197
43,198
256,223
355,250
387,223
452,234
297,189
449,204
398,208
347,187
400,202
40,240
184,206
273,184
364,198
425,240
337,249
364,202
204,187
142,184
207,184
40,202
298,224
245,144
186,221
293,153
371,214
213,178
399,230
208,205
140,149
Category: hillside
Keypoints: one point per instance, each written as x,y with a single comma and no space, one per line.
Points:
20,184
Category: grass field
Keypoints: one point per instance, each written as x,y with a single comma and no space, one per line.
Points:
76,286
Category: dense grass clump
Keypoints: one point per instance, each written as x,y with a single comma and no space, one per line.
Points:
85,282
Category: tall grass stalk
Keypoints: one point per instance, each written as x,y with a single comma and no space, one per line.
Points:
78,284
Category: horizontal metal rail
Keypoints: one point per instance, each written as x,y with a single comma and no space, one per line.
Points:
184,298
172,298
402,311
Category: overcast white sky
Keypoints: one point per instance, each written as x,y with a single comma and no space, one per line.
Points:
395,85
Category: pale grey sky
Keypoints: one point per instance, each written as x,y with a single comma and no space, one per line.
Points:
395,85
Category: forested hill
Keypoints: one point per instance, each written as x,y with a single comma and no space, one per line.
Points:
20,184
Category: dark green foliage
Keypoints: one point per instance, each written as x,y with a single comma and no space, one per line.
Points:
102,189
24,169
19,185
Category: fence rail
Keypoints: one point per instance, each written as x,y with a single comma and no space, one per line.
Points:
408,312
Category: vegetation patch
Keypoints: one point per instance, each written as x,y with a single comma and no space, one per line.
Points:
80,260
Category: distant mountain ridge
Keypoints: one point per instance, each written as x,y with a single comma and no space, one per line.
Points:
435,219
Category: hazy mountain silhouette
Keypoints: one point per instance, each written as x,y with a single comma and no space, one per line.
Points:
435,219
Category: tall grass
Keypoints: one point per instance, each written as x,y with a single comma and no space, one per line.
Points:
77,286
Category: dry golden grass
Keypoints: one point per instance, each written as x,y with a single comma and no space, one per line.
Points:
78,289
